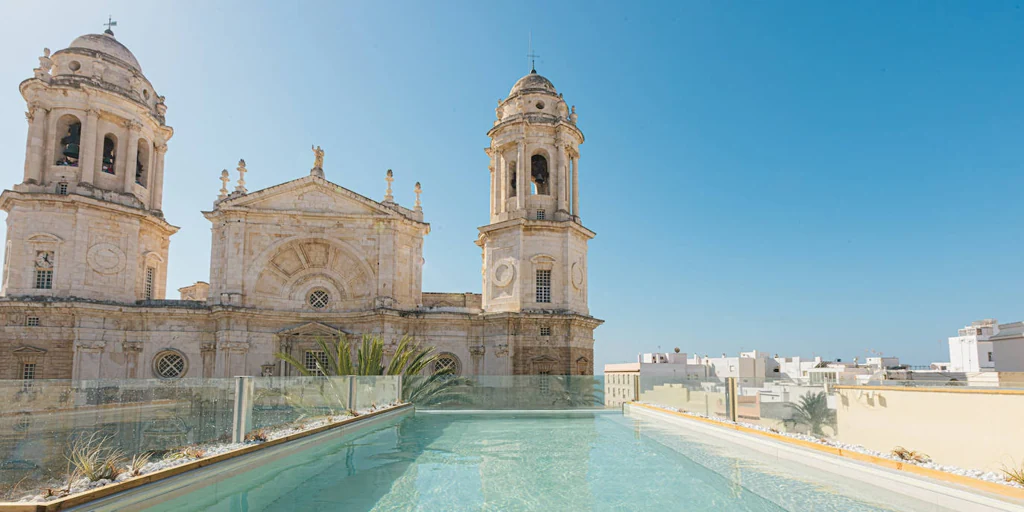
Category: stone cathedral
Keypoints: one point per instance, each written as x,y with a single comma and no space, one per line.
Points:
85,265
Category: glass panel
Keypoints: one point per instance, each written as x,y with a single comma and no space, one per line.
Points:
282,400
41,420
706,396
521,392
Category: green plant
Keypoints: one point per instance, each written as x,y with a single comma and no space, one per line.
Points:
94,459
909,455
420,384
576,390
813,411
1014,474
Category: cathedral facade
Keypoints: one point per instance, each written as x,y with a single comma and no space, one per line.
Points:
85,266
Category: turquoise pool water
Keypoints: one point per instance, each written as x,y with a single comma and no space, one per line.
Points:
520,461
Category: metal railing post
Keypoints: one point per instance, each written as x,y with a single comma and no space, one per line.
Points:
730,397
400,397
352,393
242,422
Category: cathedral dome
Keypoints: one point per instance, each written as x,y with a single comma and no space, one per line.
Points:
106,44
533,83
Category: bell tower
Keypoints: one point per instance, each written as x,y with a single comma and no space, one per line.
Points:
535,247
86,220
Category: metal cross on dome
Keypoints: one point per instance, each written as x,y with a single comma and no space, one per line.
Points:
532,56
109,24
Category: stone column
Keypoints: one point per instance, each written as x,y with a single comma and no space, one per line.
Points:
493,183
156,177
521,184
562,179
576,186
35,146
503,182
132,157
87,149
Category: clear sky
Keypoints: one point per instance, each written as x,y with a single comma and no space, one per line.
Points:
803,178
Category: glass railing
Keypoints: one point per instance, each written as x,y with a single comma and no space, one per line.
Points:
520,392
41,420
703,396
912,421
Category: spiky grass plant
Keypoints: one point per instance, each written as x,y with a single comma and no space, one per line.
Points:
92,457
1014,473
137,462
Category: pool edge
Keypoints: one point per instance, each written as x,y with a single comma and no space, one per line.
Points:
85,497
930,476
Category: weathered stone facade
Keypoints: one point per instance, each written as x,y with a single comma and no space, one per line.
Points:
86,255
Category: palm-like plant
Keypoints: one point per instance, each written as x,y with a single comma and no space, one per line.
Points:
577,391
419,384
813,411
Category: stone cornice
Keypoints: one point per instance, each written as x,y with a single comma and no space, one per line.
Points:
90,87
240,203
8,197
533,224
535,119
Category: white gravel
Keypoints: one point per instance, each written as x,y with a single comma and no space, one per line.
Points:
988,476
209,450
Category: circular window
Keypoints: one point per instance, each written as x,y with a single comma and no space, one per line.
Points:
446,364
74,65
319,299
169,364
540,105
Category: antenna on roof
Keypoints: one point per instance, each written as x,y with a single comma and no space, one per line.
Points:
532,56
110,23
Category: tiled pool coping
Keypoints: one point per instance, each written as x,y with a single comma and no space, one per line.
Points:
971,483
75,500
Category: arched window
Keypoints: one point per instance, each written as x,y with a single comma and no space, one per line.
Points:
109,154
512,177
539,175
142,163
446,364
69,138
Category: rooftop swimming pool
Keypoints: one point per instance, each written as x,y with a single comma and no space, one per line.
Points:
576,460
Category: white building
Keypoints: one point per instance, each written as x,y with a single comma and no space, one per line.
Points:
1008,348
971,349
623,381
795,368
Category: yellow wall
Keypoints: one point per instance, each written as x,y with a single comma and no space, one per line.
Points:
973,429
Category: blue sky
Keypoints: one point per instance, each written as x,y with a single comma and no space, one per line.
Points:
798,177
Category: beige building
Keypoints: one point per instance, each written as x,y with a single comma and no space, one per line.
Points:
85,265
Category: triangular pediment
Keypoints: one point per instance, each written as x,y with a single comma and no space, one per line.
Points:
26,350
310,194
313,329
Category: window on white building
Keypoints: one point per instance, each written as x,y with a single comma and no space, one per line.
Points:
990,357
32,321
62,188
540,214
543,286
